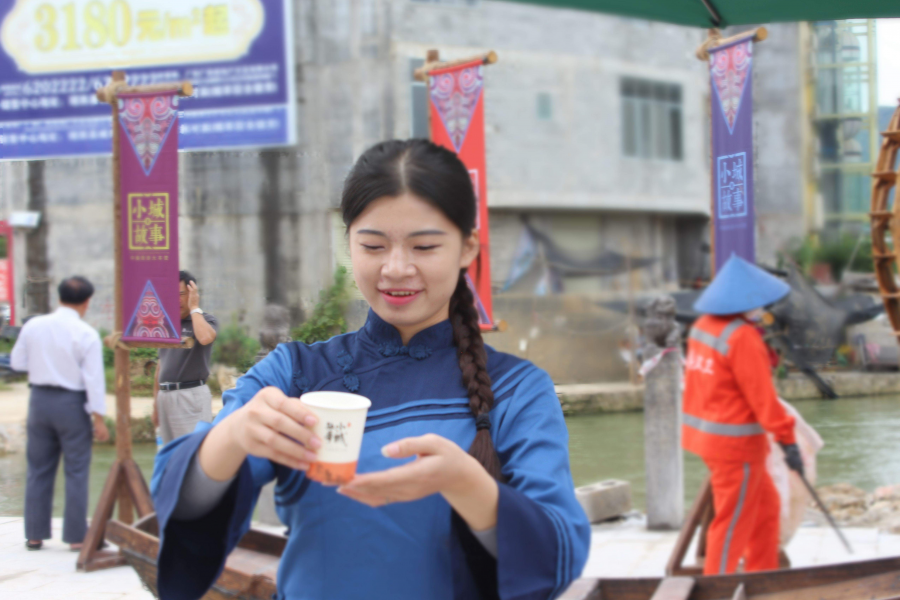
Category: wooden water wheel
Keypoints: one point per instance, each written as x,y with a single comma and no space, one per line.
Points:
886,222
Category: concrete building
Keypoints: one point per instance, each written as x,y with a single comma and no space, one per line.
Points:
597,134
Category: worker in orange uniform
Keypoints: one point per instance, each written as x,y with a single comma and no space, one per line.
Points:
729,405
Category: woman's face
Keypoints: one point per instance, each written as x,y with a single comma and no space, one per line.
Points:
406,259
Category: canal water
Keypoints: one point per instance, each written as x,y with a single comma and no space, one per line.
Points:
861,435
862,447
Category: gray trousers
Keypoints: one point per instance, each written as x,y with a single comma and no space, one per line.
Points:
180,411
57,424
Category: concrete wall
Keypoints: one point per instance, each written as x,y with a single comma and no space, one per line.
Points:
571,336
79,214
574,337
250,237
584,235
574,160
259,226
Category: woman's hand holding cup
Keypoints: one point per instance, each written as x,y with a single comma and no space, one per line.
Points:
276,427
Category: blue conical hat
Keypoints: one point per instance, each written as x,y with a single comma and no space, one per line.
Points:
738,287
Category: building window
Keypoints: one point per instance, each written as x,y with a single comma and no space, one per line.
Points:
418,102
544,107
651,119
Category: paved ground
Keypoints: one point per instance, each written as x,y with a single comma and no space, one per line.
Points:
628,550
50,573
14,404
14,412
621,550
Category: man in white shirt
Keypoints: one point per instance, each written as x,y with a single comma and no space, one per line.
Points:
64,360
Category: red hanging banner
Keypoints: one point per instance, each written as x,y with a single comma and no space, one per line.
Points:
7,295
148,164
457,123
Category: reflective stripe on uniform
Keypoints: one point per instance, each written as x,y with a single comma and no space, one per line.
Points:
723,564
718,343
710,340
722,428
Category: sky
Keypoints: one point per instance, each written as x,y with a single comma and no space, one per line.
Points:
887,36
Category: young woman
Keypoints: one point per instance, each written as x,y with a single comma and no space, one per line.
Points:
464,488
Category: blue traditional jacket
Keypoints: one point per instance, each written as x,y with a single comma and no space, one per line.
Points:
339,549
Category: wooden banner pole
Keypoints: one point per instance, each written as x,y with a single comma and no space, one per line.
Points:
716,40
122,359
432,63
124,484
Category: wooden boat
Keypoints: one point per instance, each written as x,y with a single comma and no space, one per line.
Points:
867,580
249,571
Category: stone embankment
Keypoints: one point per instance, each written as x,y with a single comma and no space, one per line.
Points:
854,507
591,398
847,384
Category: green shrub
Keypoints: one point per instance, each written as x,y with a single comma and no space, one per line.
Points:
214,387
835,250
142,385
142,430
143,354
109,357
234,347
327,319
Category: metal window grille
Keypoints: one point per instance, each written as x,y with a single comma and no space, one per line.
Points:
651,119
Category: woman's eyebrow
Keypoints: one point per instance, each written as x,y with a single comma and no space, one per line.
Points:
413,234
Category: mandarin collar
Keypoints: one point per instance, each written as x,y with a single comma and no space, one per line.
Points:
389,343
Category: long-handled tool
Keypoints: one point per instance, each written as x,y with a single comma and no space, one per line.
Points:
812,492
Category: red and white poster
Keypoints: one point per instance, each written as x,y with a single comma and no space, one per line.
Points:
457,123
4,281
7,279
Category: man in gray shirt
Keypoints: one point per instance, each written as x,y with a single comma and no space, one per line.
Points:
181,395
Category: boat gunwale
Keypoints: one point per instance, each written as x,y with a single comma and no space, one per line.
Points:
706,587
231,582
758,583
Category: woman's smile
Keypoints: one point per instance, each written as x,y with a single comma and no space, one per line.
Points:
399,296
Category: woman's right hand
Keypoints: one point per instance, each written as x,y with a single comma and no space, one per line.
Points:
271,425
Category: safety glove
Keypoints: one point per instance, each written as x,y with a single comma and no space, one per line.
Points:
792,457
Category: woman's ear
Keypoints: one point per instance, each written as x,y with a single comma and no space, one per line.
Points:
470,248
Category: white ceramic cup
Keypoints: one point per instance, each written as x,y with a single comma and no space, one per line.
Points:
341,422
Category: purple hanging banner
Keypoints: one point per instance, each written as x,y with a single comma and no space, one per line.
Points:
148,168
730,74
